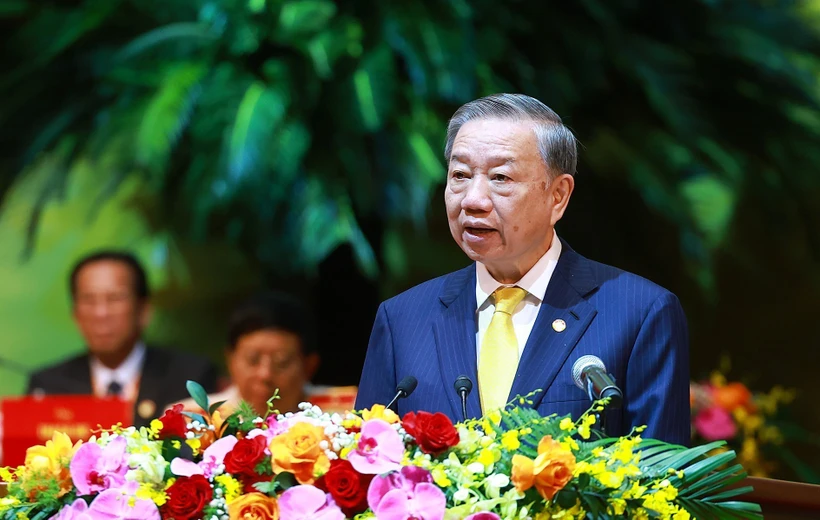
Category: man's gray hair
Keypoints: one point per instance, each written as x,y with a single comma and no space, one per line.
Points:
556,143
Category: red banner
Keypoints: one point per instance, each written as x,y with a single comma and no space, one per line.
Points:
30,421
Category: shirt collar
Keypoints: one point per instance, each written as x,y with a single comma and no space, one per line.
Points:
535,281
127,372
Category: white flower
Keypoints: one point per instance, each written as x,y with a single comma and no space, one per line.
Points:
476,467
461,495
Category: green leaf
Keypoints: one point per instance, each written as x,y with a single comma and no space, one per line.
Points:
286,480
197,393
167,114
215,406
259,113
190,31
566,498
306,16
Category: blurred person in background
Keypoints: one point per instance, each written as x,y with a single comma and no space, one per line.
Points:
111,307
272,346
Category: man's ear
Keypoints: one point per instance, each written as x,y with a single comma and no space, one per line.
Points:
312,362
145,315
563,185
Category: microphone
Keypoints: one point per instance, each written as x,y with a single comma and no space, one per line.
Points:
463,386
404,389
589,374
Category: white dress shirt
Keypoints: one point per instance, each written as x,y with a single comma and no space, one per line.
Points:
127,374
535,282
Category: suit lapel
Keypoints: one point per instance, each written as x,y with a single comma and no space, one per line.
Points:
454,332
79,376
150,398
547,349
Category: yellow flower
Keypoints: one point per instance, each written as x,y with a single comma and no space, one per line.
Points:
149,492
53,459
566,424
440,477
195,444
586,422
154,428
509,440
380,412
486,457
232,487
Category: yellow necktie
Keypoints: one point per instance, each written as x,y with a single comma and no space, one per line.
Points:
498,359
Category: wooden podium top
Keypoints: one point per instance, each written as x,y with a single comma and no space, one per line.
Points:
783,500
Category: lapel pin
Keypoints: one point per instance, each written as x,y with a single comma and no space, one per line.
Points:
559,325
146,408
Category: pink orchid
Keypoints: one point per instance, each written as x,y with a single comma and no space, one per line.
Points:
308,503
715,423
122,504
94,468
380,449
78,510
483,515
212,457
408,494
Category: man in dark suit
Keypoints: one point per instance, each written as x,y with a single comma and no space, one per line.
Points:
110,303
517,319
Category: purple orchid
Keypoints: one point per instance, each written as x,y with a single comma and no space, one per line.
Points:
94,468
122,504
408,494
483,515
78,510
379,450
212,457
308,503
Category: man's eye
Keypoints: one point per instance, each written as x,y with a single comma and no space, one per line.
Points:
500,177
459,175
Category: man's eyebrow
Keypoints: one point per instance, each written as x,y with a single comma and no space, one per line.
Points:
503,159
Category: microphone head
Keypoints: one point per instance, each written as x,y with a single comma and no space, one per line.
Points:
463,384
581,365
407,385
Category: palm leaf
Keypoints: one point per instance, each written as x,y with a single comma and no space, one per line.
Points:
167,114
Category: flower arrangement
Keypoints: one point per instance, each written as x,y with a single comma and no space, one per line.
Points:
728,410
512,463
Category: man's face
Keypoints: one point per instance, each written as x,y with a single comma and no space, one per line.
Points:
107,311
501,201
267,360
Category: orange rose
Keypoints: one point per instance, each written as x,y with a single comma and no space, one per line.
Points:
297,451
733,395
549,472
254,506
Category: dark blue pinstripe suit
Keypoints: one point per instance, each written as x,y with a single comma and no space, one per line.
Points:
636,327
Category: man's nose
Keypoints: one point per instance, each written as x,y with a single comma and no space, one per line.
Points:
477,196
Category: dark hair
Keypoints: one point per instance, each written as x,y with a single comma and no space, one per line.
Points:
272,311
556,143
138,276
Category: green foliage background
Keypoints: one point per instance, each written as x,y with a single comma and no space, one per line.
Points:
297,144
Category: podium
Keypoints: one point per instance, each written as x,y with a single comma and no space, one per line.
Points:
783,500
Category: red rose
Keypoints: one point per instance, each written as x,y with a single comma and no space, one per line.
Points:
245,455
434,432
187,497
173,423
347,486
